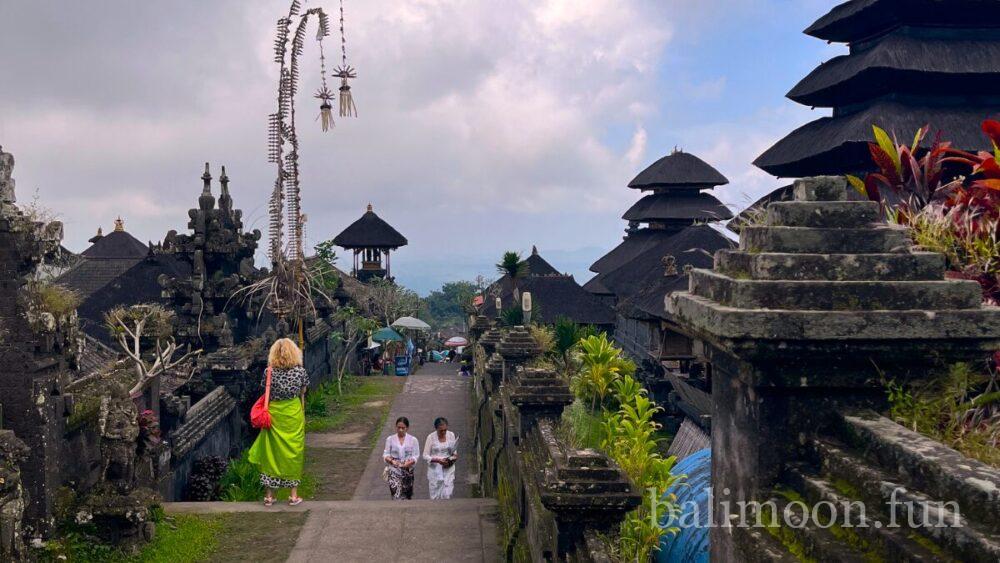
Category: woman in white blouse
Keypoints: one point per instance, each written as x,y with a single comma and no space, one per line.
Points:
440,453
400,454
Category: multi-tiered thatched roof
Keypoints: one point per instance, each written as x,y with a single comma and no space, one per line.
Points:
911,63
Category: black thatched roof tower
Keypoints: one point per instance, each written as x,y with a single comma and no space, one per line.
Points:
371,238
676,182
677,202
911,63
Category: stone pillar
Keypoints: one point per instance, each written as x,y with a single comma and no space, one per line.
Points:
804,320
517,348
12,453
537,394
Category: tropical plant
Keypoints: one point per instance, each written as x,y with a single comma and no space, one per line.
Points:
603,364
916,182
630,439
512,316
950,198
241,482
568,335
512,266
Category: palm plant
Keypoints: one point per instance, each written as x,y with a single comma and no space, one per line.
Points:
512,266
568,335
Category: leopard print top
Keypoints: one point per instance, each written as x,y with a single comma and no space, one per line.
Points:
286,383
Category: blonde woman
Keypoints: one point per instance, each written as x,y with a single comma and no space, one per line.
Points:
279,451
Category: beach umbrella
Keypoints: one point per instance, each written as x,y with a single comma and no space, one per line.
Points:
411,323
456,342
387,335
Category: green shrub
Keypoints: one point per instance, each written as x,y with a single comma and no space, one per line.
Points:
241,482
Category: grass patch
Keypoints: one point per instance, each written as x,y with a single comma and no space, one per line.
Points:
581,427
960,409
340,406
185,537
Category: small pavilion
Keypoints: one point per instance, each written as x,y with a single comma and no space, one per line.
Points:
371,239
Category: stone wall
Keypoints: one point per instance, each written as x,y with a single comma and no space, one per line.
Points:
553,499
12,501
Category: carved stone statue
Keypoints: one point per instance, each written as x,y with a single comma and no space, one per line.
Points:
119,432
6,179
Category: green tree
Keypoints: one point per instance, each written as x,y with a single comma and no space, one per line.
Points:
451,302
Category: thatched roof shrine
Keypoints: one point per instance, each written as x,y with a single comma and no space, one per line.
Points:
370,231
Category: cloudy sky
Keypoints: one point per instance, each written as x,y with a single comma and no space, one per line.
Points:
484,125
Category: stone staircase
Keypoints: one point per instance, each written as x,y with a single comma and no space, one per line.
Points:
801,323
903,497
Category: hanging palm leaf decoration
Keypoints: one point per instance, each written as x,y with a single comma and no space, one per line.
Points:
345,72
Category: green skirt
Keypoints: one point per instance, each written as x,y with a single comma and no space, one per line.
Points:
279,452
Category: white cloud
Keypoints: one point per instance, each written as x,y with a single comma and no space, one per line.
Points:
466,107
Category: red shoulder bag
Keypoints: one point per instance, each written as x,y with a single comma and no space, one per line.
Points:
259,415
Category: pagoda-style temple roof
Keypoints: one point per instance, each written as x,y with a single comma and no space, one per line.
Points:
907,60
694,245
678,170
632,246
370,231
860,19
678,206
911,63
838,145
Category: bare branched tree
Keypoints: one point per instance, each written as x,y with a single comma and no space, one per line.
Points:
386,301
144,333
354,328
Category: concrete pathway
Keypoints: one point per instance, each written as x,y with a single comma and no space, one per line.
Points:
436,390
349,531
373,528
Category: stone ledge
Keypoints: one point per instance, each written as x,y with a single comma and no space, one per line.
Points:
930,465
912,266
200,420
836,295
806,240
824,214
978,325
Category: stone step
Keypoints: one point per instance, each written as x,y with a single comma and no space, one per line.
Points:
929,465
807,240
766,548
948,529
972,331
859,524
914,266
816,543
836,295
824,214
823,188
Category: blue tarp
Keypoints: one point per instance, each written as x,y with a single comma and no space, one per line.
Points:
690,544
